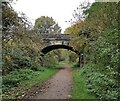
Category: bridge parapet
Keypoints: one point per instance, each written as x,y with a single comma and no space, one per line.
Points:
56,36
54,39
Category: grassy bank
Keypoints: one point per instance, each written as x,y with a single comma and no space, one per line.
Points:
79,87
17,82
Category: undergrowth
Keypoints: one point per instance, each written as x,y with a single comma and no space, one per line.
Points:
99,83
18,81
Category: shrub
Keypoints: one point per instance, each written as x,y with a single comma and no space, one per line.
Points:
15,77
37,67
102,85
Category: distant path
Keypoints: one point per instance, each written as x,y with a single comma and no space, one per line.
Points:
58,87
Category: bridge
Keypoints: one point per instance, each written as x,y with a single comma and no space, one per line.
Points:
57,41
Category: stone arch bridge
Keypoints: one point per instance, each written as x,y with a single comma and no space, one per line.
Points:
58,41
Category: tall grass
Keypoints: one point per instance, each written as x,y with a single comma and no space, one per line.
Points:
79,90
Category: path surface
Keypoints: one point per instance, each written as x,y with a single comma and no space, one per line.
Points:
58,87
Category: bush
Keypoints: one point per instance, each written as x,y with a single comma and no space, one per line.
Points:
37,67
14,59
15,77
24,62
102,85
50,60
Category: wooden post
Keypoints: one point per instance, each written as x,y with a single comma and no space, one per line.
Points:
79,60
82,59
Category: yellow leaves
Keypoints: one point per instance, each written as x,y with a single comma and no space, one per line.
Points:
10,42
8,57
77,59
82,42
76,43
74,29
79,25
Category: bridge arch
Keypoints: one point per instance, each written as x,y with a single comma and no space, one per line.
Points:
59,46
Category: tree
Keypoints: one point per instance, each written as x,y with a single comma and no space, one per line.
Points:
102,16
100,45
11,21
20,44
80,13
46,24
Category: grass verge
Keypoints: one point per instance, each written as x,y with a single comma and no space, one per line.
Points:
35,77
79,90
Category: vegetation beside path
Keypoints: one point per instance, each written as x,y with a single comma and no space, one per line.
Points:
80,90
17,82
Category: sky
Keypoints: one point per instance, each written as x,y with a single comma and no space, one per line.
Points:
60,10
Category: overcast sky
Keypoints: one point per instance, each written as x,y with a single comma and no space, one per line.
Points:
59,10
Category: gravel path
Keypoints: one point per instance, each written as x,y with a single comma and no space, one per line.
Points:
58,87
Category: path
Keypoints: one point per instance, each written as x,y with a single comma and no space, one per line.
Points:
58,87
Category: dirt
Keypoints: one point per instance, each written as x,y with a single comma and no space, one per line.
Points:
57,87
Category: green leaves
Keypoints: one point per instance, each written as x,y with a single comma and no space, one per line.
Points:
14,78
46,24
99,30
21,45
102,85
102,16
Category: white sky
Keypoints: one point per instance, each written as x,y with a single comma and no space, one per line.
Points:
59,10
